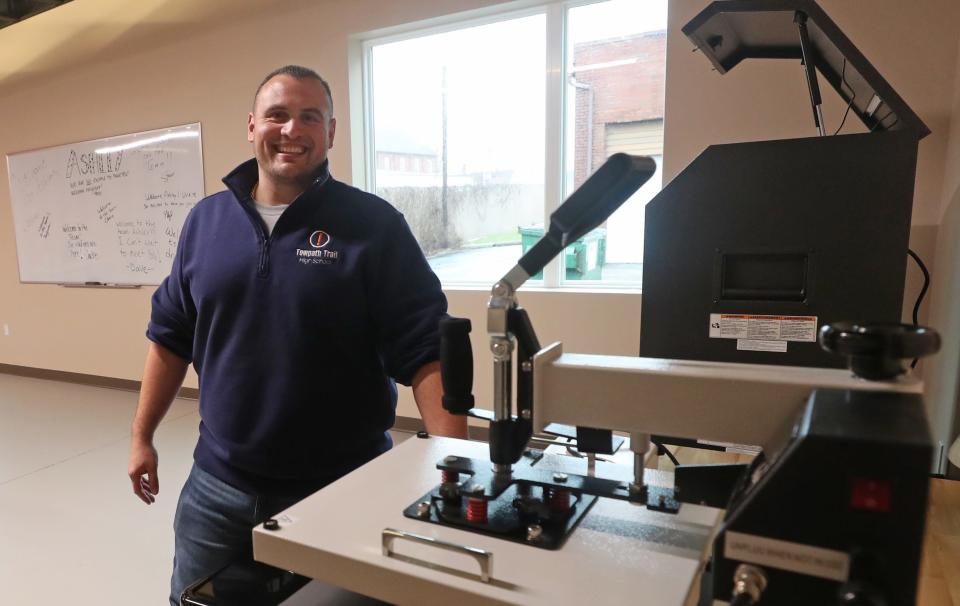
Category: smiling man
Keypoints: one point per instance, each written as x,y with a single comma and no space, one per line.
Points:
291,128
301,302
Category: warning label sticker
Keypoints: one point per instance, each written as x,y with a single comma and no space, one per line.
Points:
763,328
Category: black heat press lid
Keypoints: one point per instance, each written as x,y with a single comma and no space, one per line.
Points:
729,31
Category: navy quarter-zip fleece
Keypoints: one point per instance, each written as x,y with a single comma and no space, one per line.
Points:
297,336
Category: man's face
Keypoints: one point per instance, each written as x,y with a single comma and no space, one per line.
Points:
291,129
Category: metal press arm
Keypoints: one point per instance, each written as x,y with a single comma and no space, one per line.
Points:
507,324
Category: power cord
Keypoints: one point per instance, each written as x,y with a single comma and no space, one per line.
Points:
923,293
843,79
666,451
573,452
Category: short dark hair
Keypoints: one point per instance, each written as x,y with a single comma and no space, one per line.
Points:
300,73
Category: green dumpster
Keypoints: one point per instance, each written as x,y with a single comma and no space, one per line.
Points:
583,259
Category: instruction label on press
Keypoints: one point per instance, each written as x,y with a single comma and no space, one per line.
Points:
763,328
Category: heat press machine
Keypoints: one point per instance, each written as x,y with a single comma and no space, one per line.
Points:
779,257
831,511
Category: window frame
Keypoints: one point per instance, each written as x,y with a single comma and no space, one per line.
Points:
555,138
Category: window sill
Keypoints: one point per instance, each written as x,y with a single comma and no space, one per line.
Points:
586,289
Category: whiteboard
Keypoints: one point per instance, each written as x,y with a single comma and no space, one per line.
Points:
106,211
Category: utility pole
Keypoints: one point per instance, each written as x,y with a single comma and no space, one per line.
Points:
444,220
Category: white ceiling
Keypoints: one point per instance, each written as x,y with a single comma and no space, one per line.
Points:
81,30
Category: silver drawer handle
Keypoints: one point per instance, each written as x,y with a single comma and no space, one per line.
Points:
483,557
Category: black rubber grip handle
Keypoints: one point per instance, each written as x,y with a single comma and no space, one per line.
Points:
456,365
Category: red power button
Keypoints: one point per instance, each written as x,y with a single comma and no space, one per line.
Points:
870,495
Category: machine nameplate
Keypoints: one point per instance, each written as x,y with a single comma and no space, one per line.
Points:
786,555
760,345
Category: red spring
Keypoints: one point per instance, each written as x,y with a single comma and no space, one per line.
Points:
447,476
559,500
477,511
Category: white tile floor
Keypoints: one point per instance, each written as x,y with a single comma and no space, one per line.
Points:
71,530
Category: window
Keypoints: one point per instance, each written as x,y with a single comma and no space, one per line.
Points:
468,137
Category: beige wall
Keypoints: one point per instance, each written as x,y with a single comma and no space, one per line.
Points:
207,74
943,377
941,381
209,77
912,44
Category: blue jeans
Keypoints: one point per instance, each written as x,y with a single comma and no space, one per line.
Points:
212,527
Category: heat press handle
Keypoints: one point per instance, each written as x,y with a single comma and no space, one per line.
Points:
456,365
590,205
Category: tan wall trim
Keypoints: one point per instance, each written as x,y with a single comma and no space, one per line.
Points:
408,424
79,378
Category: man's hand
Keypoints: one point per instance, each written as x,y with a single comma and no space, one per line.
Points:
143,471
162,376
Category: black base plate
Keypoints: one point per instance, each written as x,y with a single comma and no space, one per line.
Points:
505,519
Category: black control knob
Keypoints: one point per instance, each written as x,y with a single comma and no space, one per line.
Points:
876,350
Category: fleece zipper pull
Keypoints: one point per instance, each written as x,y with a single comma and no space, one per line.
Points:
263,267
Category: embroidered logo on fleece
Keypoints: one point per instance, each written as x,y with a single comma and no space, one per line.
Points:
319,239
320,255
